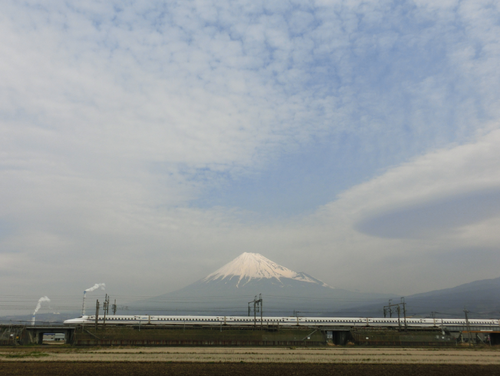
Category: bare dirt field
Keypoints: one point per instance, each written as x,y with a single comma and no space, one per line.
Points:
237,369
57,360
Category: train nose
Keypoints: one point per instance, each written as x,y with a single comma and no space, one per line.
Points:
73,321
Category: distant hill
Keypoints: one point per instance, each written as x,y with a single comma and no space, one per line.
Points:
480,298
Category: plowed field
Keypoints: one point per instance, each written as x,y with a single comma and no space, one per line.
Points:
237,369
62,360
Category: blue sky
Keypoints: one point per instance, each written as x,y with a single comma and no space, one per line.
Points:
173,136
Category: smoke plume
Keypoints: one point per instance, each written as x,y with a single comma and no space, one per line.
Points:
39,305
96,286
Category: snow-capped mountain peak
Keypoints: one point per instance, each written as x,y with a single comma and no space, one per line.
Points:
249,266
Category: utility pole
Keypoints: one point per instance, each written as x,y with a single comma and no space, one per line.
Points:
398,310
261,309
257,306
114,308
388,308
260,302
468,326
96,313
254,311
105,309
296,314
404,311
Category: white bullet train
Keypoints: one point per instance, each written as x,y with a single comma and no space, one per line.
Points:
279,321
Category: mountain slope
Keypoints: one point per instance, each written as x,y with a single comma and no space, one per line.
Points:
229,290
480,298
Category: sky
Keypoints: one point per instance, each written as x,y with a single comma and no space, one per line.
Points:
144,144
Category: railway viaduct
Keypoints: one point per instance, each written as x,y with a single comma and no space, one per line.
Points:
23,335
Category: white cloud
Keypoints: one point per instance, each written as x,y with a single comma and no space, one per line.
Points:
436,175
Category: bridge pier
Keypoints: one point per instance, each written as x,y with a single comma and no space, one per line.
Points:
35,334
341,338
337,337
495,338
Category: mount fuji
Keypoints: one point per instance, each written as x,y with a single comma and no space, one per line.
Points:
249,268
230,290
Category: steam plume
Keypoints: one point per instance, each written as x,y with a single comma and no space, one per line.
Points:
96,286
38,306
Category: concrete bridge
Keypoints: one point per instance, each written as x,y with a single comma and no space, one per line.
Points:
26,335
